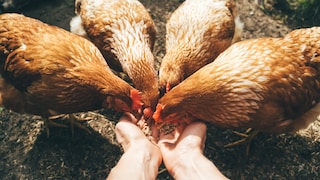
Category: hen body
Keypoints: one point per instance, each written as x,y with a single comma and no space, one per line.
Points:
196,33
125,33
47,71
270,84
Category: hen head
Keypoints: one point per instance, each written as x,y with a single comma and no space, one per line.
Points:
166,115
132,103
169,78
150,99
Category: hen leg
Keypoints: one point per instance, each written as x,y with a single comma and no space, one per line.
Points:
248,136
49,122
74,121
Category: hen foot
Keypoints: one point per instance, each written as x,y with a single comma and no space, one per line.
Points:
74,121
49,122
248,136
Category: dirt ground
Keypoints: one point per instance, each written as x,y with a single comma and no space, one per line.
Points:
27,153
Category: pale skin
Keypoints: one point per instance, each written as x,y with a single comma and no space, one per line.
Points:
180,151
141,157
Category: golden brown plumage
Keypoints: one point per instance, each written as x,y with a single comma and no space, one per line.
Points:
125,33
270,84
196,33
47,71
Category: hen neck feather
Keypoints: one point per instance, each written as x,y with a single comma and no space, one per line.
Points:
131,46
307,42
201,42
229,91
91,70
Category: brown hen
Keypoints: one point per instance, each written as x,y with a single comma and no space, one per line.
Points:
125,33
269,84
196,33
48,71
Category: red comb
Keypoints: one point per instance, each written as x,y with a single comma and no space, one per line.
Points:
136,99
156,115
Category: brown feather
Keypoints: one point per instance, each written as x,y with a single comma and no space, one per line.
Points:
196,34
267,83
125,33
52,70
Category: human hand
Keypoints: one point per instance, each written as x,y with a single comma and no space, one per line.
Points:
141,158
128,133
182,153
184,142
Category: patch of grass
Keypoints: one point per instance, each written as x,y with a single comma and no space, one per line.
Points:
306,12
297,13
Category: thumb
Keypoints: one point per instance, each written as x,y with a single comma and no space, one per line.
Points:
194,135
126,131
191,136
169,140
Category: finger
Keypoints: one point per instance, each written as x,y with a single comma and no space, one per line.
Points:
181,127
196,128
126,131
169,139
128,117
193,136
154,132
126,128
